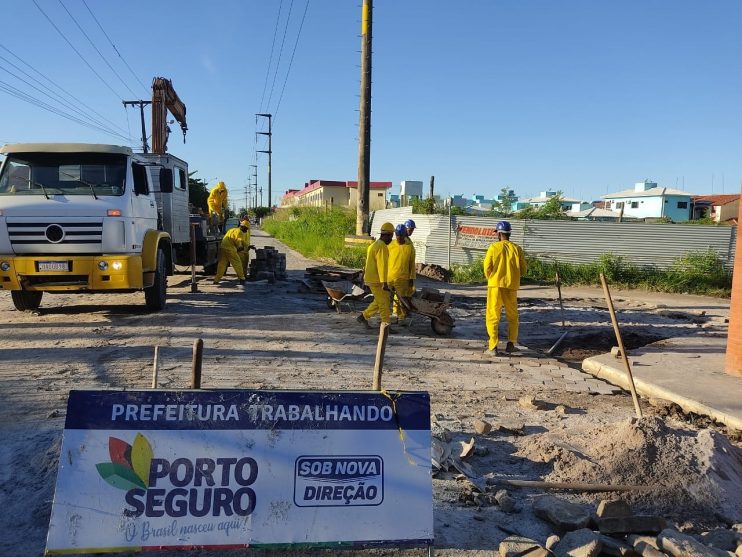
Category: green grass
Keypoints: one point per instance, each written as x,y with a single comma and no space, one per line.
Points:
697,272
317,233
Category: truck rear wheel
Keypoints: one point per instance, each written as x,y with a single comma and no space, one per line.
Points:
26,301
155,296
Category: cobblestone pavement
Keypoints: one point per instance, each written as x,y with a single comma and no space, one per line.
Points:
273,336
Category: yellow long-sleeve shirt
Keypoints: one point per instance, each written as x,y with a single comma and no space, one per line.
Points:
218,198
504,265
377,263
401,261
235,238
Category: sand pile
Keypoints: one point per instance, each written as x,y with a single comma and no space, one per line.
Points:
693,473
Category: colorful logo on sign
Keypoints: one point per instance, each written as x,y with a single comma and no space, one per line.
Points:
337,481
130,464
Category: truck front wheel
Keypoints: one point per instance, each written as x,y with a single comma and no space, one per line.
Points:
26,301
155,296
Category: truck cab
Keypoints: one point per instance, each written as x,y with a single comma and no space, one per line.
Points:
91,218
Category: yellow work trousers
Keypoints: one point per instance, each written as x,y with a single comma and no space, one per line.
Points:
380,305
230,257
496,299
401,288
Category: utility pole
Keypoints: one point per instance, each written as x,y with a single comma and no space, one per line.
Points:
269,133
364,131
255,182
432,185
261,197
141,104
246,196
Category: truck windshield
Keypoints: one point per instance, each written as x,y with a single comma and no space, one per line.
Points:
63,173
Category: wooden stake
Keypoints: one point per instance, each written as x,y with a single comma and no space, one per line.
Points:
155,367
198,354
619,339
380,349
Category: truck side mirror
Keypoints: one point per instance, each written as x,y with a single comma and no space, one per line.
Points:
166,180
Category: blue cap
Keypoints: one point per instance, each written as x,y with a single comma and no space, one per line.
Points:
409,223
503,226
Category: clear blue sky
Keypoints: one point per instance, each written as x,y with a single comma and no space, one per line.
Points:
577,95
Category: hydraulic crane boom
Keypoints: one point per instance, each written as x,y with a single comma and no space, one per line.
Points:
164,99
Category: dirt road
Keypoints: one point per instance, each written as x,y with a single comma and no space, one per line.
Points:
272,336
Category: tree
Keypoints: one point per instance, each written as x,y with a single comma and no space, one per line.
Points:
503,207
552,209
198,192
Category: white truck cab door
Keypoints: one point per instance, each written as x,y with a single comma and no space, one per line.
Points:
144,208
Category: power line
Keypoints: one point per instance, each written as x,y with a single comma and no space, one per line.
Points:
96,48
115,49
77,51
15,92
55,84
291,61
280,53
270,59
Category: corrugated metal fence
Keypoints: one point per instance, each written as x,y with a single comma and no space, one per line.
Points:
653,245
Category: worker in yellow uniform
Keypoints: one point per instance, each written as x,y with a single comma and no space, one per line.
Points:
504,265
218,205
375,275
234,251
401,269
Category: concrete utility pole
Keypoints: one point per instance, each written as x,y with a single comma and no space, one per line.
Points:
269,133
141,105
364,131
255,181
432,185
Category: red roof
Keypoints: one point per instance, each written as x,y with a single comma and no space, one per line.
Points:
721,199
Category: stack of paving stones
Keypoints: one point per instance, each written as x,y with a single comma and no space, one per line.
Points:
269,264
614,530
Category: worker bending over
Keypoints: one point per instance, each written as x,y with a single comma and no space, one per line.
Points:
375,275
218,205
234,251
504,265
401,269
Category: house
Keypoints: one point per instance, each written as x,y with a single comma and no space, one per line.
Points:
648,200
597,214
720,208
536,202
333,193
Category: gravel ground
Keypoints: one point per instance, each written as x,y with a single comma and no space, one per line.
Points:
272,336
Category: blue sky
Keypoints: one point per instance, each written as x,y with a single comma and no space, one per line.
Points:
579,95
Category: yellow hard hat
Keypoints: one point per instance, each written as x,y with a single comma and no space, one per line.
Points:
245,222
220,185
387,228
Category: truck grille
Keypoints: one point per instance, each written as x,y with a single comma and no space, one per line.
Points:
59,237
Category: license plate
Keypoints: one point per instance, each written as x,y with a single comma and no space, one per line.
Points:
54,266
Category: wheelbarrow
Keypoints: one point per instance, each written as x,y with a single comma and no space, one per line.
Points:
429,302
344,292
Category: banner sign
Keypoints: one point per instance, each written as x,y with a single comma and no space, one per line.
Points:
227,469
475,237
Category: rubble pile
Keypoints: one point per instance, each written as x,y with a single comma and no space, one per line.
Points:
435,272
269,264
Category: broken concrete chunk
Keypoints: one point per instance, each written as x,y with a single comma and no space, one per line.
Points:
646,550
467,449
482,427
683,545
560,513
506,503
721,538
530,403
613,509
579,543
616,548
636,539
516,546
516,428
639,524
551,541
538,552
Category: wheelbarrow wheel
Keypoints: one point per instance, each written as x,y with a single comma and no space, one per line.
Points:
440,328
330,303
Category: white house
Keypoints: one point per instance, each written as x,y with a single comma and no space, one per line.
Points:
648,200
568,203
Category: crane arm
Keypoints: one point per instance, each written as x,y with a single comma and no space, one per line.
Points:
164,99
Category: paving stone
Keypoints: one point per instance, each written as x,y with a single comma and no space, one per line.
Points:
639,524
721,538
551,541
562,514
682,545
579,543
635,539
613,508
516,546
617,548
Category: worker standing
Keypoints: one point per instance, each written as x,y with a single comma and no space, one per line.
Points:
375,275
218,205
401,269
234,251
504,265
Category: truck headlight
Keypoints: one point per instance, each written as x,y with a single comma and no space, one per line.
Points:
103,265
116,265
5,266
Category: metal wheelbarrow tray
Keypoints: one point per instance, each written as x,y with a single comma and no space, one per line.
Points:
431,303
343,292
